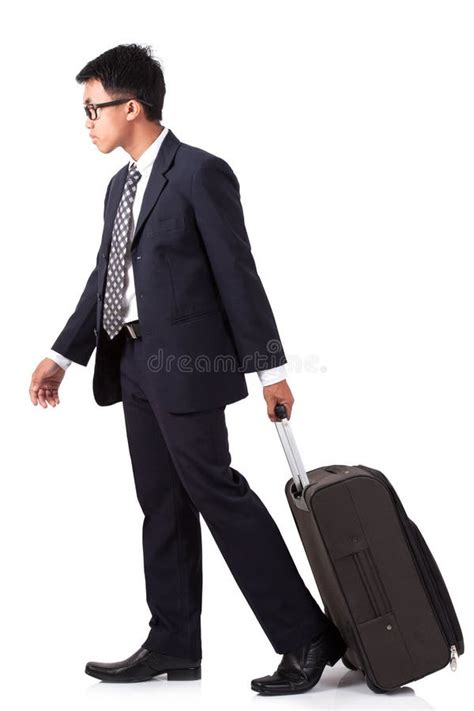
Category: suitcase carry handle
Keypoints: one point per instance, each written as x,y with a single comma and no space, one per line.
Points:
291,450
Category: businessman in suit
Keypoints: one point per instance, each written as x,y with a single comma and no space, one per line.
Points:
177,314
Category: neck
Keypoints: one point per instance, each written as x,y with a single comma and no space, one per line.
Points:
138,144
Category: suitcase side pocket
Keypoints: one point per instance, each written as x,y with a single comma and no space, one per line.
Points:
390,662
374,584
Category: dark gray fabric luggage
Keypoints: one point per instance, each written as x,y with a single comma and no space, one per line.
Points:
378,580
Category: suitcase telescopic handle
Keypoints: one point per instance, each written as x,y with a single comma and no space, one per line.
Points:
291,450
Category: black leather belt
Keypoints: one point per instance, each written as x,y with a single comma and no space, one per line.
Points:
132,329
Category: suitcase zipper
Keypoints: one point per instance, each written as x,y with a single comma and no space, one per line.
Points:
454,658
429,580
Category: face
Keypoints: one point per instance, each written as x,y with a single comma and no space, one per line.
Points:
114,123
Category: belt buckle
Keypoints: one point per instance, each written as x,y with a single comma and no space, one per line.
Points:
131,330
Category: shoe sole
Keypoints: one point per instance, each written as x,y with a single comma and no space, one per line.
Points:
189,674
265,692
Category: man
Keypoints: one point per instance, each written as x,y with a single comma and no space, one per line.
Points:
178,315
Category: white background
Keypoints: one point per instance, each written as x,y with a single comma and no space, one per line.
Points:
350,128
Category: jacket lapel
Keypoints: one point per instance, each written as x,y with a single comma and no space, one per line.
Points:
157,179
155,185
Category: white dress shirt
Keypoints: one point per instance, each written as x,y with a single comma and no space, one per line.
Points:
144,165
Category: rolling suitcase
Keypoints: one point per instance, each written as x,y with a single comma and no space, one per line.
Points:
378,580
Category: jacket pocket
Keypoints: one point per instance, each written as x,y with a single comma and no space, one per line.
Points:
169,223
191,317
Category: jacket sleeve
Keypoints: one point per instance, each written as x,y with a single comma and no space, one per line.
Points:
77,339
220,220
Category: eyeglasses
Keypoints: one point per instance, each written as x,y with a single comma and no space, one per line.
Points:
93,114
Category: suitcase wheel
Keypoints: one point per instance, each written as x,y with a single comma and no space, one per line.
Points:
348,664
373,687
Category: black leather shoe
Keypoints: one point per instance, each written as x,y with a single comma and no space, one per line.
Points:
145,664
300,670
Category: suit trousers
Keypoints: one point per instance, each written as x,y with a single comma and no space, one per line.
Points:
181,468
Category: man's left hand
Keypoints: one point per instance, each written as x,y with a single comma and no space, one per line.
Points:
275,394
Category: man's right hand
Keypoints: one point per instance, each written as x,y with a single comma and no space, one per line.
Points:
45,383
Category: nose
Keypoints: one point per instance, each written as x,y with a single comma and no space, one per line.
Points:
89,123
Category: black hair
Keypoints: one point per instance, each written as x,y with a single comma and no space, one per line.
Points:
129,70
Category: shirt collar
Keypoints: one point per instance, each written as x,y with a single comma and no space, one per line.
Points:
149,154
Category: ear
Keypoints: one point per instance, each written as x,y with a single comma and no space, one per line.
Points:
133,109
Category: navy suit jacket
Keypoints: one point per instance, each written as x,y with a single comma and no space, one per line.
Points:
204,315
